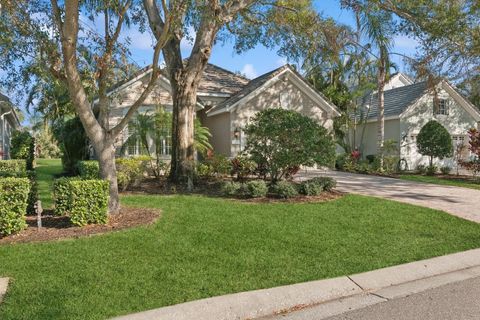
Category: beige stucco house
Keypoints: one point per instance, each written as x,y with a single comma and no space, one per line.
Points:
8,122
408,107
226,101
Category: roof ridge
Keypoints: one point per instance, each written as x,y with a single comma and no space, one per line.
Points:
228,71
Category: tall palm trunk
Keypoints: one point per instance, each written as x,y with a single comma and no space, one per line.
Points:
381,78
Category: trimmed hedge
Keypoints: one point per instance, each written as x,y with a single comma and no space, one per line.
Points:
89,201
13,204
129,171
11,168
85,201
17,168
61,195
327,183
89,169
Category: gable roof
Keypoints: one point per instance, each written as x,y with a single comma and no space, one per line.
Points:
261,81
396,100
215,80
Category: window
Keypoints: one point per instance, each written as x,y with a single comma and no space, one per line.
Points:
441,107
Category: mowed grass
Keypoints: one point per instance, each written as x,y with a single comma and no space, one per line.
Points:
46,170
203,247
442,181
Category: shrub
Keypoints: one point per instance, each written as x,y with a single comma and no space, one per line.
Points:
12,168
231,188
284,189
431,170
61,195
221,165
327,183
310,188
421,169
88,169
88,201
370,158
446,170
73,143
256,189
13,204
129,171
205,170
434,141
33,194
282,139
23,147
340,161
242,167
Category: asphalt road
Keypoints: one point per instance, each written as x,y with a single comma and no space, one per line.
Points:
456,301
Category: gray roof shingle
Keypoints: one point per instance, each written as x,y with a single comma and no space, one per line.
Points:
246,90
215,80
396,100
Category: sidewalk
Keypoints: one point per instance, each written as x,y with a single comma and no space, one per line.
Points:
338,295
3,287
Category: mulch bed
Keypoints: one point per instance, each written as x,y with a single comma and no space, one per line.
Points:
54,227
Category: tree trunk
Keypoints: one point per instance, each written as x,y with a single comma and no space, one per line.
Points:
183,159
381,108
108,171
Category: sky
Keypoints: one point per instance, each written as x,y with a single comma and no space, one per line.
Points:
260,60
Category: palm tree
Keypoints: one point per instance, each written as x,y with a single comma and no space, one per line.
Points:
377,25
152,133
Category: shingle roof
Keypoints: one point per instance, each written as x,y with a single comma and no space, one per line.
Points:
396,100
252,86
215,80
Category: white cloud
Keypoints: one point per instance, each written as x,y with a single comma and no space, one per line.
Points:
405,42
249,71
282,61
139,40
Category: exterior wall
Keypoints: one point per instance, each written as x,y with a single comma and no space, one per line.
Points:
396,82
457,123
282,94
368,145
219,126
7,125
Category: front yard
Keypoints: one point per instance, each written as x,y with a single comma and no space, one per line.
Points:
204,247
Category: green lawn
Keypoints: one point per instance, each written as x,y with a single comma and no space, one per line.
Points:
46,170
204,247
441,181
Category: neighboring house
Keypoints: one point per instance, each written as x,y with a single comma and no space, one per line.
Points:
225,103
8,122
407,109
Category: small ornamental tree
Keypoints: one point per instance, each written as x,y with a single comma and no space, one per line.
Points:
281,140
434,141
474,146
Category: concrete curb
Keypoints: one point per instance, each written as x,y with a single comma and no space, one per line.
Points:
387,283
3,287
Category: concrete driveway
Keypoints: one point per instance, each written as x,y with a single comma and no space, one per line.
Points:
461,202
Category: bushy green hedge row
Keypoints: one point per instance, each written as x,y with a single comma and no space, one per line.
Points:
17,168
9,168
129,170
88,169
14,194
281,189
85,201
